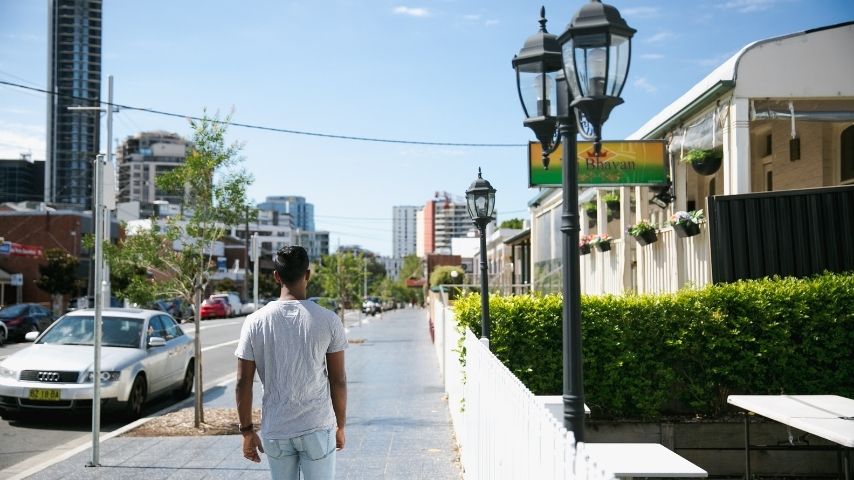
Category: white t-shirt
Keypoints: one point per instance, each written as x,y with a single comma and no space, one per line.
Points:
288,340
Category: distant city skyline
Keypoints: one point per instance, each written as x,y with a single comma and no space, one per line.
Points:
445,77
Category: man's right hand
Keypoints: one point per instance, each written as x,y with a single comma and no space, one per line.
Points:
339,438
251,446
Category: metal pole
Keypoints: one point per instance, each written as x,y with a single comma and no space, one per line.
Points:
573,383
99,271
255,269
246,257
484,287
107,293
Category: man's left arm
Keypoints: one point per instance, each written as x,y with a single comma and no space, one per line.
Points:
243,396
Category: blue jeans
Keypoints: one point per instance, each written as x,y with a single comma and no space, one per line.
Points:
313,453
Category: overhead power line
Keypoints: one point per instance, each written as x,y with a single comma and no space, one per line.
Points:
274,129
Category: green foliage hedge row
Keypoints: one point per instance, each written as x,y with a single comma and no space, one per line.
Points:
647,356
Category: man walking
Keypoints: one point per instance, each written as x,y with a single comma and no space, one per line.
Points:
297,346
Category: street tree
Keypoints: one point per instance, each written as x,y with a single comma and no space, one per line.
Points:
178,254
58,277
340,276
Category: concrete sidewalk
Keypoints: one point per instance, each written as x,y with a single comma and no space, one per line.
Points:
398,424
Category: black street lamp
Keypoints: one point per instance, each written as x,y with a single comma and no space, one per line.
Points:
584,69
480,199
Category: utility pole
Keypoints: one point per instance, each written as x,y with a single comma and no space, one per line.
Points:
99,293
255,269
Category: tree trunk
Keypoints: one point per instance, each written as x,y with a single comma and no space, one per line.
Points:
200,412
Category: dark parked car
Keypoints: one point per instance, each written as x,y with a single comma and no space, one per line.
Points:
25,317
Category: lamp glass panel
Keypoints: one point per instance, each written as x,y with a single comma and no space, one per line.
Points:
491,204
538,93
470,205
618,64
591,62
481,203
569,69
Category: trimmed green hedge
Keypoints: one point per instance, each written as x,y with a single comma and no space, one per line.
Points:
647,356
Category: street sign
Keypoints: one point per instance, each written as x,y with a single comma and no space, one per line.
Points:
16,279
620,163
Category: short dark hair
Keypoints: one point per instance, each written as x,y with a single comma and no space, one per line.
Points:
291,263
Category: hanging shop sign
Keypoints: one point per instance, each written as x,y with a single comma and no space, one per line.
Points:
620,163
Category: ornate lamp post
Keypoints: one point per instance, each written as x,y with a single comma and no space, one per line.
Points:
480,199
584,69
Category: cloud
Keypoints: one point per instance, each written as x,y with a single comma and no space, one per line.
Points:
747,6
652,56
473,18
412,11
659,37
16,139
641,12
643,84
491,23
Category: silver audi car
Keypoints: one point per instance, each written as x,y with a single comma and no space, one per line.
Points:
144,353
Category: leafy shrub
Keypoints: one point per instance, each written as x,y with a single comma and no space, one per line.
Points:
652,355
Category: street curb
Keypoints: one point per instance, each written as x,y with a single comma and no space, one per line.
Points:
83,444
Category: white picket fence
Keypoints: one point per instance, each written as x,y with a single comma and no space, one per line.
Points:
672,262
503,431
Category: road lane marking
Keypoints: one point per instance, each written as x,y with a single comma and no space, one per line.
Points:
223,344
191,330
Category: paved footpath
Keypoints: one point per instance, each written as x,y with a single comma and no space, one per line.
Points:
398,425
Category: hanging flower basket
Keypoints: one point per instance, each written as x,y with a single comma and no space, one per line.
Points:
704,161
602,242
584,249
686,224
643,232
612,200
590,209
646,238
688,229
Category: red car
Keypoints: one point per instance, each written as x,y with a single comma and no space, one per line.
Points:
214,308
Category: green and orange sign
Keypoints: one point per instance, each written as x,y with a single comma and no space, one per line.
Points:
620,163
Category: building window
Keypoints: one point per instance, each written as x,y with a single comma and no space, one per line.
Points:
846,151
769,181
768,145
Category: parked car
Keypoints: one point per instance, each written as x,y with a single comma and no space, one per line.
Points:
326,302
214,308
144,354
372,306
22,318
176,307
4,333
235,306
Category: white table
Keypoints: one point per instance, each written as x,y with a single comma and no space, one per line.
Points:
640,460
827,416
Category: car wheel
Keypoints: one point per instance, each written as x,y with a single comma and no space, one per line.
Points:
2,337
133,407
186,387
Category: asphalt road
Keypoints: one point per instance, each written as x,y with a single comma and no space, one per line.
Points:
33,435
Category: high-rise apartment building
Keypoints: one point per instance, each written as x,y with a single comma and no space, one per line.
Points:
442,219
300,211
74,77
404,230
142,158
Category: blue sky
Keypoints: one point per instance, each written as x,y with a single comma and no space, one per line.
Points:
434,71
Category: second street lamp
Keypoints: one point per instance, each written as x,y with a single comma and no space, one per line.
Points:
480,200
585,70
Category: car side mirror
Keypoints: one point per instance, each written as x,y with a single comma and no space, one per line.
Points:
31,336
156,342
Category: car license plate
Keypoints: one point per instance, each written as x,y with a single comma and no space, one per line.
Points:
44,394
